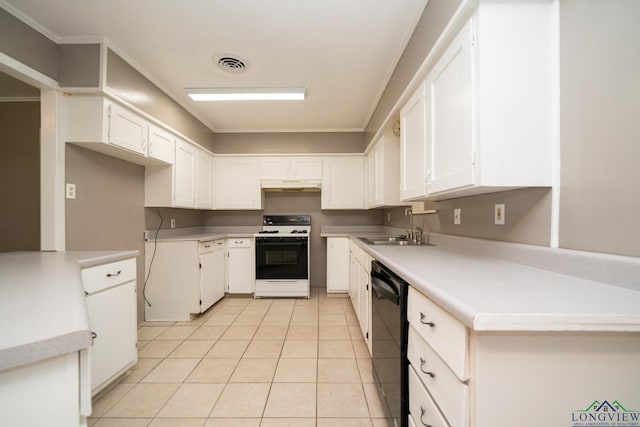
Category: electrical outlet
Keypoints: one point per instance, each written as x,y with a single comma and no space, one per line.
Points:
457,213
71,191
388,216
499,214
173,223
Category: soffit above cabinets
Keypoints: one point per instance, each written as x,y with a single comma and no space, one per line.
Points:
342,52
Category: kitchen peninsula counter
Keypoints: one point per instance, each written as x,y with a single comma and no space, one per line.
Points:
43,311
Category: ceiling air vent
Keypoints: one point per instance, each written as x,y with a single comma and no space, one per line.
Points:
231,63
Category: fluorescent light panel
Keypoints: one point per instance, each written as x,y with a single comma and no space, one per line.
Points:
247,94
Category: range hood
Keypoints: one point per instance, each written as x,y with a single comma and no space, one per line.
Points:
291,184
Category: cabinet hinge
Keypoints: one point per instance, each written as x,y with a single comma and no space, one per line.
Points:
473,158
199,265
366,335
200,302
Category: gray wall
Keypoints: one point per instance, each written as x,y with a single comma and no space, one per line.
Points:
600,126
108,212
294,142
79,65
127,83
435,17
20,175
24,44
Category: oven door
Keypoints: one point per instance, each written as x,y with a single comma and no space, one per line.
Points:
282,258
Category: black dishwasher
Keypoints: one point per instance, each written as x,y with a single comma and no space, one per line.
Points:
389,330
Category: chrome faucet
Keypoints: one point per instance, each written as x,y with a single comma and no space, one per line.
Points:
417,237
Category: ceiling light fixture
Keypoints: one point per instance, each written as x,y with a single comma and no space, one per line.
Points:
247,94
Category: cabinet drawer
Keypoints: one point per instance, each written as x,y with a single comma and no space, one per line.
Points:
422,409
445,334
447,390
239,243
95,279
206,246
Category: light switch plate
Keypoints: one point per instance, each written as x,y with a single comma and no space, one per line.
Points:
457,213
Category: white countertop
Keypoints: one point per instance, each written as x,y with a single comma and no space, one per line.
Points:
200,234
43,310
490,294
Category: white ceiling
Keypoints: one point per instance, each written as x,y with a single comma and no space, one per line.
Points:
342,51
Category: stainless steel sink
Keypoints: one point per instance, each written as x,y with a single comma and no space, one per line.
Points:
391,241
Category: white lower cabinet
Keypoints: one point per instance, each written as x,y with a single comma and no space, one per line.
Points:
184,278
44,393
241,271
360,289
111,288
212,269
466,378
338,264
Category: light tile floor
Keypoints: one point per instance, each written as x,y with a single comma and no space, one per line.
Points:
249,363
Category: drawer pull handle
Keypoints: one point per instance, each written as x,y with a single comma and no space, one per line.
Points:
94,335
422,320
422,363
114,275
422,413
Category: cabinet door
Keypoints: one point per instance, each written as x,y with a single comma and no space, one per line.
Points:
114,347
161,145
237,183
219,269
371,177
274,168
204,187
451,143
241,266
363,301
306,168
207,286
354,291
184,175
338,264
127,130
413,125
343,183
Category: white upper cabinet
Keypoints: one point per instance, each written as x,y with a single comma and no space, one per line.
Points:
291,168
343,183
103,125
126,129
450,143
204,180
383,171
184,172
237,183
186,184
161,144
490,107
413,124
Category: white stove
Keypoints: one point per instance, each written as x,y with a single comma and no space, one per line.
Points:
282,256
